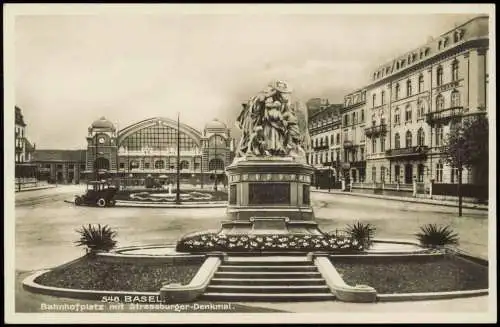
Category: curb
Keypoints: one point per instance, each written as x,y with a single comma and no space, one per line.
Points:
130,204
429,296
407,199
34,189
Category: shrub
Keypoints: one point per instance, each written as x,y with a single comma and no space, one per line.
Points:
96,238
209,242
363,233
431,235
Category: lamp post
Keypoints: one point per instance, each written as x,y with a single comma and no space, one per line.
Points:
215,168
177,192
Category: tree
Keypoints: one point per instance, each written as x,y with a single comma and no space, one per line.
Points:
466,147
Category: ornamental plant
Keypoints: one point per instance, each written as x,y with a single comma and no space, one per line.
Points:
432,235
96,238
209,242
363,233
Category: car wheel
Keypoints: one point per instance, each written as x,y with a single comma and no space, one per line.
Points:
101,203
78,201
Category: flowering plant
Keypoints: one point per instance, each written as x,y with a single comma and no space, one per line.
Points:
209,242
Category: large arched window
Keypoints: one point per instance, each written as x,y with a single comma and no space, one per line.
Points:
408,88
454,71
397,141
439,76
216,164
216,141
439,102
455,98
421,137
408,139
159,138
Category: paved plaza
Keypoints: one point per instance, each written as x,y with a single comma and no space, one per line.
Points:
44,238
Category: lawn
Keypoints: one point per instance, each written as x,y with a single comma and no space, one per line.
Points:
413,274
95,273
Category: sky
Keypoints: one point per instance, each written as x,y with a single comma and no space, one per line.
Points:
72,69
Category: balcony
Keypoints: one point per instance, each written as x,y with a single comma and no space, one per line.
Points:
358,164
414,151
376,130
348,144
444,116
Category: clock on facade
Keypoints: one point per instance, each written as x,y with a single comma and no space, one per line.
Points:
101,140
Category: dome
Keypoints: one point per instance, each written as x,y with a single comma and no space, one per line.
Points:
102,123
215,124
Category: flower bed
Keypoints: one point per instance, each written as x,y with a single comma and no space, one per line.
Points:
246,243
94,273
164,196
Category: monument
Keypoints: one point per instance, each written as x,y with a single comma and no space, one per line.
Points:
269,179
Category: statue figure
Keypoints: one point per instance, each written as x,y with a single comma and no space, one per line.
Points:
270,126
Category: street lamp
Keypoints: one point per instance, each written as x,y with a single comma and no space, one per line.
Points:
177,192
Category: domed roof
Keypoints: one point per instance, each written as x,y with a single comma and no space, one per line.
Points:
215,124
102,123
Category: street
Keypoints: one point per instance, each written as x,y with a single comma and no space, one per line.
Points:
45,224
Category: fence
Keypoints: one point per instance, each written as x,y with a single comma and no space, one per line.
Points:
479,192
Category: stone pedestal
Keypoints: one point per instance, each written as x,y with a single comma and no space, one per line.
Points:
269,195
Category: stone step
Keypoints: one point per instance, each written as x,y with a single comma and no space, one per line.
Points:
270,289
267,297
268,268
268,274
267,263
267,281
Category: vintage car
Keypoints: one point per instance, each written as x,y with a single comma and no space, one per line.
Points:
99,193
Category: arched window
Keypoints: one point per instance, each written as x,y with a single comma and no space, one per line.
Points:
420,109
421,137
439,102
101,163
396,92
134,164
420,84
439,76
454,71
455,98
397,141
408,139
184,164
159,164
397,116
408,113
216,164
408,88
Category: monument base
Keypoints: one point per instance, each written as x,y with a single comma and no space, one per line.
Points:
269,195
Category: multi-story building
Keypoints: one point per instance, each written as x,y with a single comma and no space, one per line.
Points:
325,151
353,136
60,166
413,101
23,147
149,148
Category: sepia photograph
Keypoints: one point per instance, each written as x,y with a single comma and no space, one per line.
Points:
292,163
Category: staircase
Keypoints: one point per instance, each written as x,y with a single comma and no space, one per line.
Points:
271,278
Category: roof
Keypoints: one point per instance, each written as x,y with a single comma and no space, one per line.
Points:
19,117
102,123
215,124
59,155
28,146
